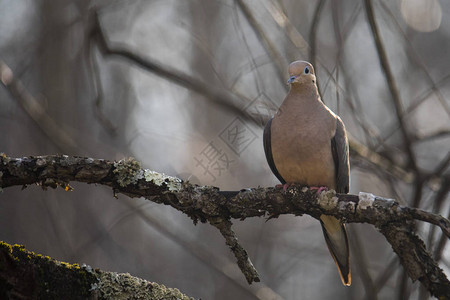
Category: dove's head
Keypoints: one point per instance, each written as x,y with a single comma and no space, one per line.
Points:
300,73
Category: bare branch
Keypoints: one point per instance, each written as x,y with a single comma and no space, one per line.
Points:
431,136
220,96
438,202
239,252
313,37
382,56
54,131
357,248
431,218
97,83
388,272
381,162
268,45
209,204
415,58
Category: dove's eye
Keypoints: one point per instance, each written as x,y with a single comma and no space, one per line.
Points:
306,71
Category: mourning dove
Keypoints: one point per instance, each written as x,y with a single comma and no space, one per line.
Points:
306,143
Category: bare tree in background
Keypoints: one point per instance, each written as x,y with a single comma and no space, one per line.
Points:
184,87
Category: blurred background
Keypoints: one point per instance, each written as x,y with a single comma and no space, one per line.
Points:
185,87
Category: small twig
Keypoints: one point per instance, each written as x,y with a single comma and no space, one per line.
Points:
268,45
417,101
403,290
415,58
293,35
431,218
382,56
438,202
96,78
384,276
357,250
431,136
441,245
313,37
357,149
220,96
281,19
418,185
54,131
239,252
442,166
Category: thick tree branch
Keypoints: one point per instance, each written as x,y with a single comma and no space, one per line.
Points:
26,275
209,204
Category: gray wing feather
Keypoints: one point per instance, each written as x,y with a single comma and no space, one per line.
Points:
339,148
268,151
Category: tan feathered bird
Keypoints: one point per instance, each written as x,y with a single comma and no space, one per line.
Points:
306,143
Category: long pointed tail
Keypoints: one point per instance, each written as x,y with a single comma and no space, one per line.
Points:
337,242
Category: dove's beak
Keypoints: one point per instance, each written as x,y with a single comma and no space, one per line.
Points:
291,79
